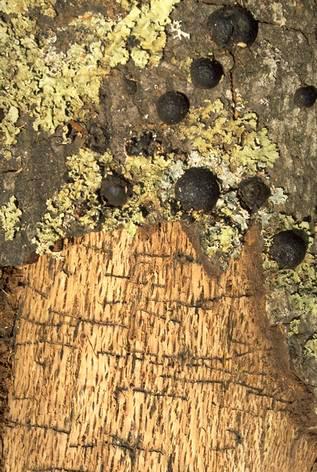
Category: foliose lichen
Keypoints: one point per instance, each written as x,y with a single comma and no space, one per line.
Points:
230,148
53,86
22,6
297,286
76,200
10,215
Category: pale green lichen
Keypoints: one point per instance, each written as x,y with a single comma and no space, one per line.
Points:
10,216
311,347
65,207
46,7
298,286
234,145
147,174
218,142
54,86
294,327
232,148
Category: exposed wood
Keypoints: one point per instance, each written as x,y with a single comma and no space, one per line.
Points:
130,357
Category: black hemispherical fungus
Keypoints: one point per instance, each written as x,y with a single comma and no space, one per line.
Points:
172,107
305,96
197,189
253,193
233,25
288,248
115,191
206,73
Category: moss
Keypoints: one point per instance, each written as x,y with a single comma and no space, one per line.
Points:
54,86
10,218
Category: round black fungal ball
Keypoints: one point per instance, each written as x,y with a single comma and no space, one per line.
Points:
305,96
172,107
197,189
206,73
115,190
288,249
233,25
253,193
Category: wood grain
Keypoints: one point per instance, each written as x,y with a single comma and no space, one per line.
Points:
130,357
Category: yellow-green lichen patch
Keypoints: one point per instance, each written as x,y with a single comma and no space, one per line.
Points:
76,201
54,86
10,216
22,6
217,141
294,327
149,176
299,285
311,347
232,148
231,145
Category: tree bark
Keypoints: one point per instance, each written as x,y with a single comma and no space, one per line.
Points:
130,356
133,355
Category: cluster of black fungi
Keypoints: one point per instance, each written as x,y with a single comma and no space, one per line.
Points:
198,188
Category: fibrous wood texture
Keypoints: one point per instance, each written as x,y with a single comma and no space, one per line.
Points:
129,356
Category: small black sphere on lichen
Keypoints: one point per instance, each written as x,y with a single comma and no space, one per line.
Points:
172,107
288,248
206,73
197,189
115,191
233,25
305,96
253,193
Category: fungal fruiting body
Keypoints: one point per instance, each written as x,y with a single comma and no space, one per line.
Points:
205,73
172,107
253,193
305,96
114,191
197,189
233,25
288,249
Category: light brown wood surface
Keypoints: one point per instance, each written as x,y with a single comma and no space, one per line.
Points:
130,357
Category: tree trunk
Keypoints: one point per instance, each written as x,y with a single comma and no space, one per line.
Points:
135,354
129,356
